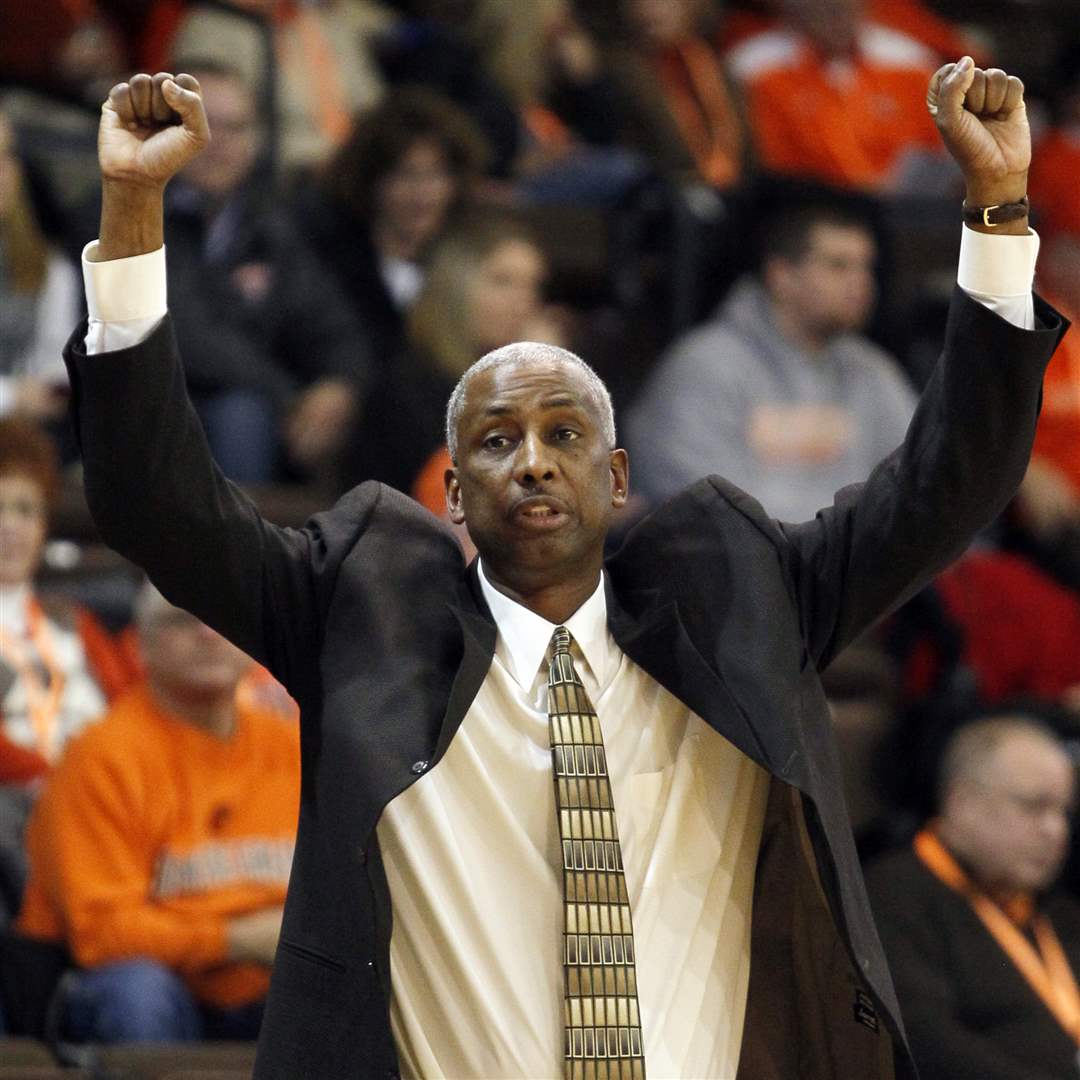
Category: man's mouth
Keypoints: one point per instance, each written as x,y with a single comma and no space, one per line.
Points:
539,513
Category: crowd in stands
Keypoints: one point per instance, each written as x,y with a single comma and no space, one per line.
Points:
739,212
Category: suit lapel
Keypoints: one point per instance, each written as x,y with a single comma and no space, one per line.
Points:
478,639
656,640
649,630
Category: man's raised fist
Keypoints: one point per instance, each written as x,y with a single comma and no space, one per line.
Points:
983,122
151,127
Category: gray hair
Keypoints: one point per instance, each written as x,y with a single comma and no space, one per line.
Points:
523,352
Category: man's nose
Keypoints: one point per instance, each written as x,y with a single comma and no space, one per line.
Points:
534,462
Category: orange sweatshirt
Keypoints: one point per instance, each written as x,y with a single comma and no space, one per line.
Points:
846,122
151,834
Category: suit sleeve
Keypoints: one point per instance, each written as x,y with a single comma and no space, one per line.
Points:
962,459
157,497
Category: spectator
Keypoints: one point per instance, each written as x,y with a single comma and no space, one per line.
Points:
39,298
779,391
484,289
383,201
314,60
677,104
983,954
64,48
999,624
1056,157
1049,500
275,360
57,664
835,97
160,849
568,109
911,17
432,46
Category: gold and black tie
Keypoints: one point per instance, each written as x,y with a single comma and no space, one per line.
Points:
601,1017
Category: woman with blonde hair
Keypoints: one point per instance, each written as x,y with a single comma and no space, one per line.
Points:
484,289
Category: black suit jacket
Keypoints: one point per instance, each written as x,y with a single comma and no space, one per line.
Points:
372,621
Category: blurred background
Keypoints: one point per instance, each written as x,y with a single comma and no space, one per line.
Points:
738,212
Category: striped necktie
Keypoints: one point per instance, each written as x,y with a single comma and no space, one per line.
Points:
601,1017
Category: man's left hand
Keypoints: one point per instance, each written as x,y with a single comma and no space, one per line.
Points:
983,123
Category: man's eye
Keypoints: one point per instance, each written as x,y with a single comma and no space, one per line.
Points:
496,442
566,434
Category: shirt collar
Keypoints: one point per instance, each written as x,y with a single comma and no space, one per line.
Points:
526,635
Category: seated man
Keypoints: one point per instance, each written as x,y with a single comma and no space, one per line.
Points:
982,957
275,359
779,391
160,850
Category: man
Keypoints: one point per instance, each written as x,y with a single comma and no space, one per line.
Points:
833,96
984,961
779,391
160,849
275,359
442,918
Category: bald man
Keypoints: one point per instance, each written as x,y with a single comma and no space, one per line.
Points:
983,954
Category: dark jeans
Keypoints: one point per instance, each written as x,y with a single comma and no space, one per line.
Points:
143,1001
241,429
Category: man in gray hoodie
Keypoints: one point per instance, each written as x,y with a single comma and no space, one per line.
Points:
779,391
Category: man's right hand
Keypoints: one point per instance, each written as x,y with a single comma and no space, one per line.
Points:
151,128
253,938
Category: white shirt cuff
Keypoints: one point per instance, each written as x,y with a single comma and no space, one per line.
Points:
997,265
124,289
125,298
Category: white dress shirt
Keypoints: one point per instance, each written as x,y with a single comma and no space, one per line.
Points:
471,849
472,859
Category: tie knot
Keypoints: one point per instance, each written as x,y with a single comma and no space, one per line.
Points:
560,641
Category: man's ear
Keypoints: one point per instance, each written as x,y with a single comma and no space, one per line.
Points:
453,497
620,478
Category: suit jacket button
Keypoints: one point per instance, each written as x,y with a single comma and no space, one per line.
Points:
418,767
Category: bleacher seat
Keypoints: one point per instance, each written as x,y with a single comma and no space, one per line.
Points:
161,1061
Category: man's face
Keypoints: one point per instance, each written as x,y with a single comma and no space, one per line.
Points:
1012,824
228,158
535,482
188,659
830,290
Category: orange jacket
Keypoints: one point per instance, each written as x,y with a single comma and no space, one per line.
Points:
151,834
846,122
